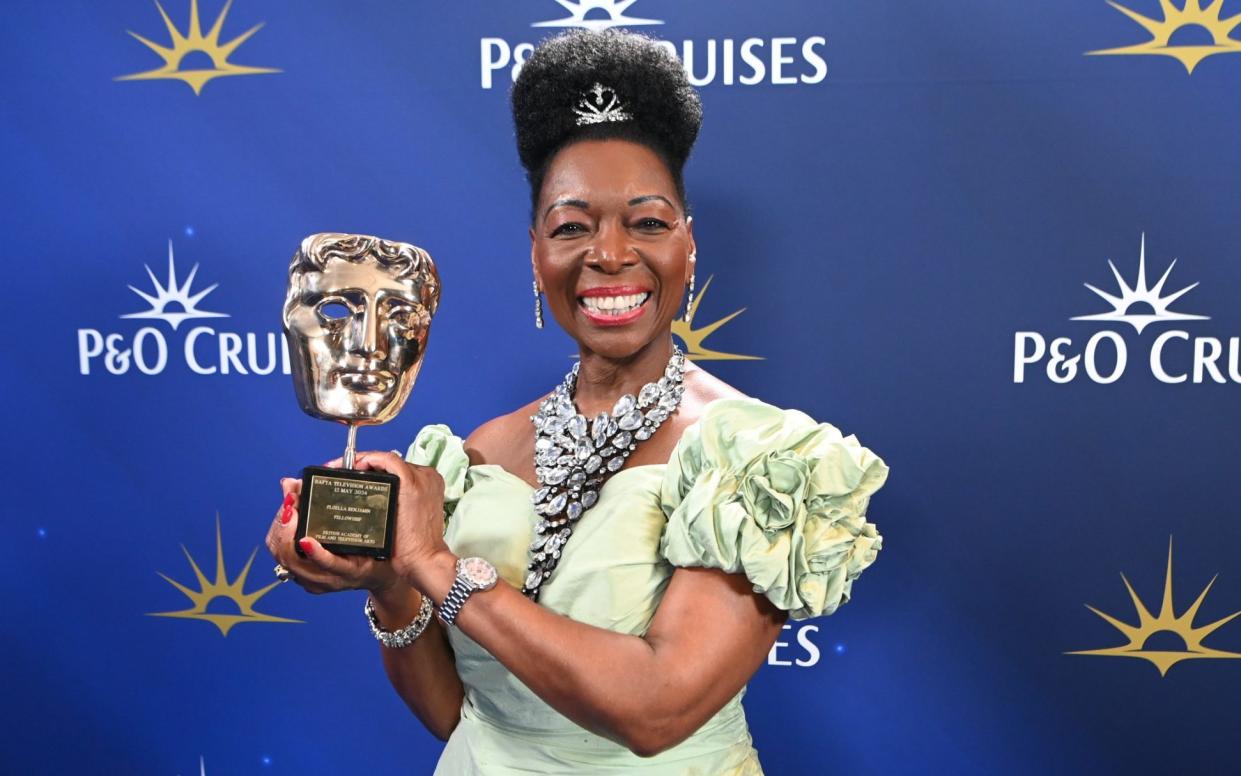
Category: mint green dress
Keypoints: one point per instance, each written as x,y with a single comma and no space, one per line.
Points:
750,488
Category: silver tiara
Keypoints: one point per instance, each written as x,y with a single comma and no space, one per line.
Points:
598,104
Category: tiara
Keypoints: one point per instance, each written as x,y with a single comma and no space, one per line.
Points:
593,108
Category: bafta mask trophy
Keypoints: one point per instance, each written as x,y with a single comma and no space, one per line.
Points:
356,317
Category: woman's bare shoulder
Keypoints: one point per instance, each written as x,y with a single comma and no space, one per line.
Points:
492,441
702,387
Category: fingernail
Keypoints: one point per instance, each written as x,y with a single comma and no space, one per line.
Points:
288,498
306,546
287,514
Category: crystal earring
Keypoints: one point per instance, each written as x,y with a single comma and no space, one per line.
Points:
689,300
538,306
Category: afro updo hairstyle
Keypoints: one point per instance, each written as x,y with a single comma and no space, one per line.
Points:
647,78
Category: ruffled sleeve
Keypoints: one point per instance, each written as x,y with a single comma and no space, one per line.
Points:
436,446
752,488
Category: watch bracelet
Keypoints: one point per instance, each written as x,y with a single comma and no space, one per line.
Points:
454,600
405,636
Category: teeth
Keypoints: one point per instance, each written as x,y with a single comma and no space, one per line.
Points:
614,305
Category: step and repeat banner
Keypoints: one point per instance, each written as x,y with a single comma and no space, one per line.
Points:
1000,242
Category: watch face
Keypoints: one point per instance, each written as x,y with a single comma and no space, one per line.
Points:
481,574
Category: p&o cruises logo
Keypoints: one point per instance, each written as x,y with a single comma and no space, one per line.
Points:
221,587
1191,18
1180,627
1174,357
193,41
694,338
746,62
204,350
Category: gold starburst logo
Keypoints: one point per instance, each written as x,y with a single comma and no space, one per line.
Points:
1191,15
693,338
221,588
195,41
1167,622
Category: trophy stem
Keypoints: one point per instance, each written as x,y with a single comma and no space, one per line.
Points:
351,446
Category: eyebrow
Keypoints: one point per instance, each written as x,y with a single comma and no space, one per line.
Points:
586,205
648,198
583,204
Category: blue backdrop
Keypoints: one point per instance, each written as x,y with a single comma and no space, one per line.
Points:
905,198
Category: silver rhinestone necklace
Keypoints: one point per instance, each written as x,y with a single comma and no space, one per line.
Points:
573,457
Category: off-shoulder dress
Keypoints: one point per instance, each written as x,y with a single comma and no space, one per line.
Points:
750,488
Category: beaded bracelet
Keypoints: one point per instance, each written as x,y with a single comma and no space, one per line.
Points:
405,636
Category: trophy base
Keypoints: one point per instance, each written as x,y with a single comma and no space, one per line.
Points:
348,512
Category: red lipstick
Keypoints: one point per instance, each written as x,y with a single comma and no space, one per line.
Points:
613,291
614,320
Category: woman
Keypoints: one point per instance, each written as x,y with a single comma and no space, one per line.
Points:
665,526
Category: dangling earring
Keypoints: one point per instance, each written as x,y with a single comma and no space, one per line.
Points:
689,300
538,306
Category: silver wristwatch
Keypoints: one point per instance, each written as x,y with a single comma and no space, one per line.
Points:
405,636
473,574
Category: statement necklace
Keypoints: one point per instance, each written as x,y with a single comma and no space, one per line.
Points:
572,461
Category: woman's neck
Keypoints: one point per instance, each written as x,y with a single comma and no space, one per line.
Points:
602,380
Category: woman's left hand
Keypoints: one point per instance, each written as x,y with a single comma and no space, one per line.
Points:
320,571
418,536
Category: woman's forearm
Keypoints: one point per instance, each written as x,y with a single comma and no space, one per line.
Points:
424,673
626,688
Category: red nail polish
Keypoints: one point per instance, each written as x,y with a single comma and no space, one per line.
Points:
288,498
287,514
306,547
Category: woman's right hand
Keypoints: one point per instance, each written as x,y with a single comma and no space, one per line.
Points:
321,571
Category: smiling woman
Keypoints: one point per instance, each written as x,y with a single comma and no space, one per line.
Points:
609,577
593,232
